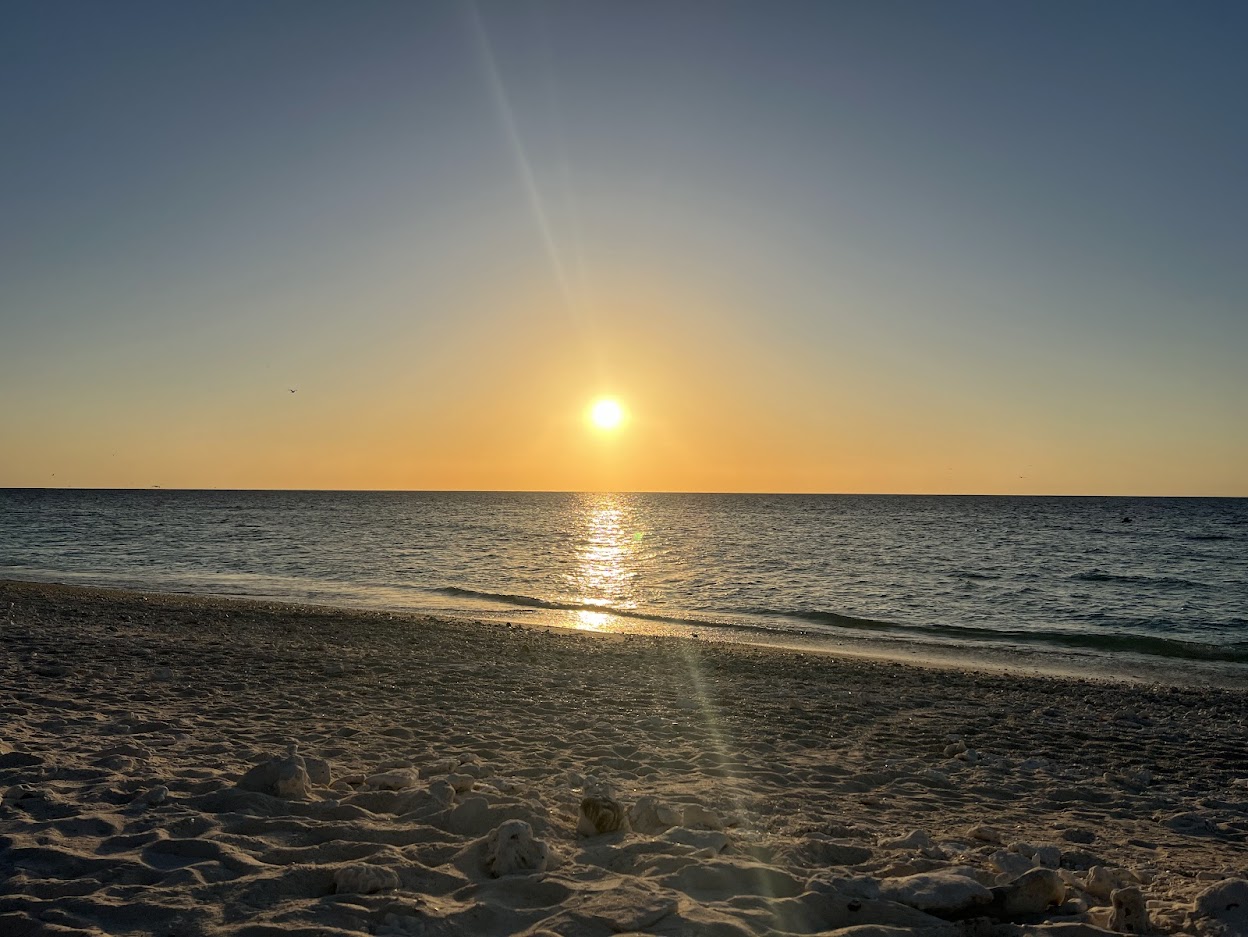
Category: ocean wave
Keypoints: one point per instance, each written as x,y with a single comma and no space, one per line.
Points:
528,601
1099,575
1108,641
1210,537
829,623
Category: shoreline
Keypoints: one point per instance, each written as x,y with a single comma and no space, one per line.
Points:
1023,659
801,783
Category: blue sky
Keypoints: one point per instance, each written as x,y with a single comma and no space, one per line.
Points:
899,246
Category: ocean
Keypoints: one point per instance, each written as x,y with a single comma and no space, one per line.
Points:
1158,581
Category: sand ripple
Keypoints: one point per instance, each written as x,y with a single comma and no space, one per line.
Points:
443,768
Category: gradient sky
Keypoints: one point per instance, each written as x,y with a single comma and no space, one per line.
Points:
833,247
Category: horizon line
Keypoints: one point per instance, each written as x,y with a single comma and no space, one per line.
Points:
600,491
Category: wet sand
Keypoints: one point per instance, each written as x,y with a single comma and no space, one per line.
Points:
760,790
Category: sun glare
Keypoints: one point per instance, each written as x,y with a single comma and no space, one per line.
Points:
606,413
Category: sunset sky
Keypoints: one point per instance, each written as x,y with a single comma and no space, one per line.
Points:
825,247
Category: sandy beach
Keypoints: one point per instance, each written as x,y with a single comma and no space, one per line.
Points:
188,766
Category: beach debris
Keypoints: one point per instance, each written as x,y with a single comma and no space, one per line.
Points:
318,770
649,816
986,834
292,775
594,786
364,879
442,792
391,763
1129,914
943,891
157,795
1225,903
261,778
1009,863
281,777
1100,882
445,766
1031,893
1050,857
697,817
599,815
915,839
396,779
512,849
506,785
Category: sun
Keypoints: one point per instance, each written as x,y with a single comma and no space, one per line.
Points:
606,413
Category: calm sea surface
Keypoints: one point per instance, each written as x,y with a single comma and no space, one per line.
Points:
1129,578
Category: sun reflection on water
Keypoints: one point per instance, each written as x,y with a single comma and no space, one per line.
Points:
591,621
604,571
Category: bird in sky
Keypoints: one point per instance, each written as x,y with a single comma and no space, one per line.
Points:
293,389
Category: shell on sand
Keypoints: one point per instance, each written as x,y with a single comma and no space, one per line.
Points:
600,815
